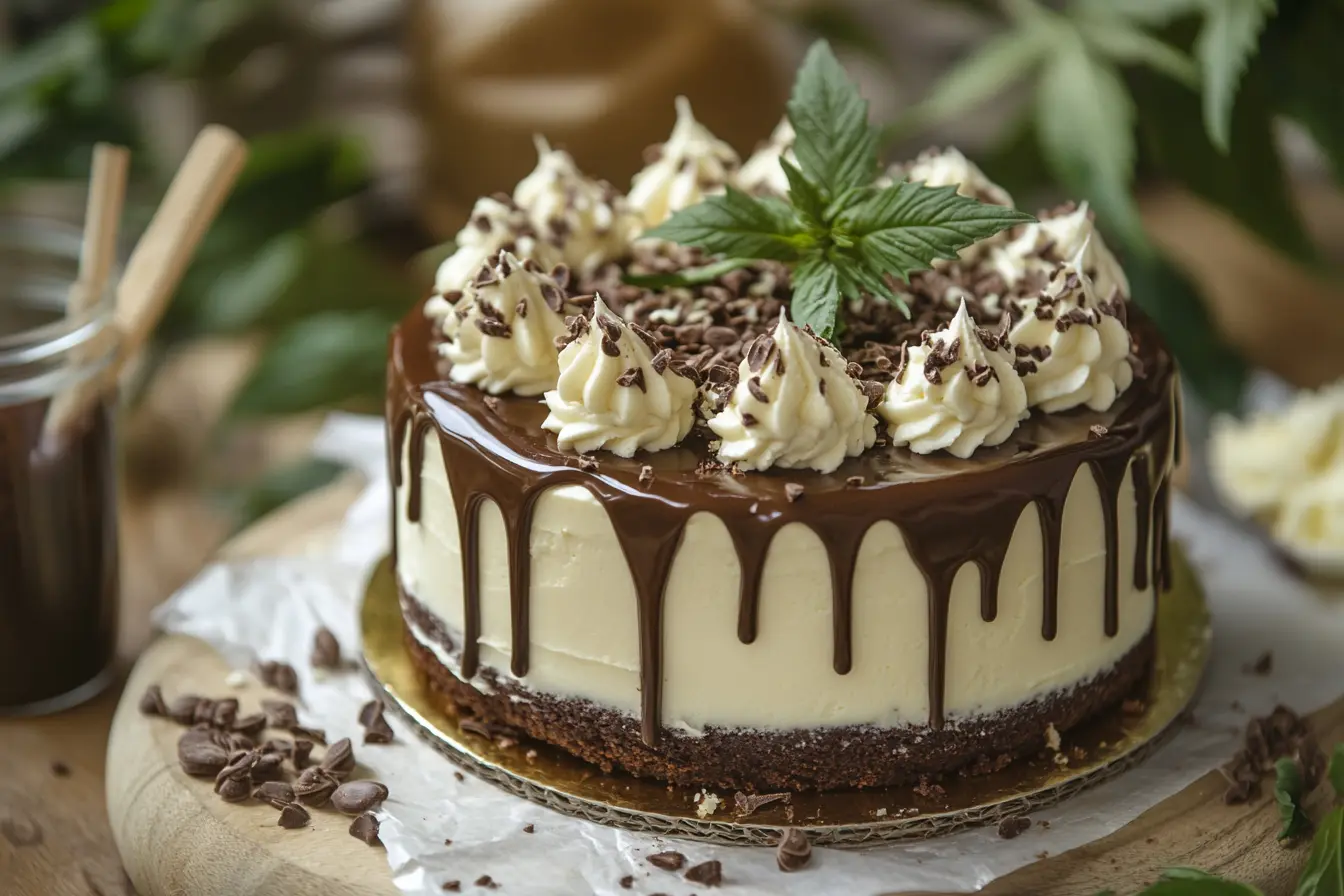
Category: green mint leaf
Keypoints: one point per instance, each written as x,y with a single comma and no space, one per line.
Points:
1193,882
804,195
1085,125
835,145
906,227
739,225
857,277
1324,873
1227,40
688,277
1335,772
816,295
994,67
1288,792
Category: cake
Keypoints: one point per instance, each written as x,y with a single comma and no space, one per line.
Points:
642,514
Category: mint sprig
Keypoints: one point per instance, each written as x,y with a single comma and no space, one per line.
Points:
844,235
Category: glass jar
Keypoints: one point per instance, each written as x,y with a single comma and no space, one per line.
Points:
58,483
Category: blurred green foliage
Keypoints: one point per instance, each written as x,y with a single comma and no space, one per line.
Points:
276,264
1185,90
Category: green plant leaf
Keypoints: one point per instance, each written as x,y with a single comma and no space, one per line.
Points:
1249,181
816,295
320,361
804,195
1213,368
1335,772
277,487
1324,873
688,277
1129,44
736,224
1226,42
1193,882
835,146
982,74
906,227
1289,790
1304,70
1084,122
46,62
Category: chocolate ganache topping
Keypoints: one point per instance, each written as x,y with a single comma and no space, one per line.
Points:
950,511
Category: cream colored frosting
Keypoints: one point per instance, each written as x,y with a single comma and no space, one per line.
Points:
957,392
502,331
1061,236
589,222
614,393
762,171
1075,347
493,225
692,164
784,679
794,405
949,168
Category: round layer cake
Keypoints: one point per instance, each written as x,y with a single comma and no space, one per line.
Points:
851,608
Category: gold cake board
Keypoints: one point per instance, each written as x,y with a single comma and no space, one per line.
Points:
544,774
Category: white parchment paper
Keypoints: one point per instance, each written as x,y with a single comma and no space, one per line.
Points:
269,609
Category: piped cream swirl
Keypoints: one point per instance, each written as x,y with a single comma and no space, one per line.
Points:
949,168
1073,348
795,404
501,334
761,173
956,392
495,223
616,392
1039,247
691,165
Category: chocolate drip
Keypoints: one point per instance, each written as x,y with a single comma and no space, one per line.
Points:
950,512
1143,512
1162,573
1109,474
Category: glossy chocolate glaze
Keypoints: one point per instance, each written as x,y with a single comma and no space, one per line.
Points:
951,511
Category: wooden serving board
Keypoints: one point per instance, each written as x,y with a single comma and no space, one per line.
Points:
176,837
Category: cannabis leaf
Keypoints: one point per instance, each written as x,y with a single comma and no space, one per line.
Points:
1289,788
844,235
1193,882
1335,772
1226,42
688,277
1324,874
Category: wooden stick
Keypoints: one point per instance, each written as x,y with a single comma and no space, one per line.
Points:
157,264
102,218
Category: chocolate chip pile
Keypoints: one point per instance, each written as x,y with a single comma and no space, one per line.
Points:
1282,733
230,747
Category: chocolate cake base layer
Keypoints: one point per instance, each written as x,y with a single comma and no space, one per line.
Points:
762,760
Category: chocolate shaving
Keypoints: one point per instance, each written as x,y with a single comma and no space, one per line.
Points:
710,873
633,376
491,327
758,393
276,793
315,786
326,653
486,881
667,861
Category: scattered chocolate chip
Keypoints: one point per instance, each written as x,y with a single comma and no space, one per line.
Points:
529,829
792,491
315,735
667,861
151,702
378,731
200,754
326,650
710,873
280,714
315,786
487,881
250,725
276,793
794,850
1010,828
292,816
452,886
365,828
60,769
627,882
355,797
1263,665
340,758
458,776
278,675
234,790
633,376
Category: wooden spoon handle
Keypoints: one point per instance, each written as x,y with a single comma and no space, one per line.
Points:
102,218
160,258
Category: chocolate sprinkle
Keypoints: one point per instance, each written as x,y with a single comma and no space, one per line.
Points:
794,850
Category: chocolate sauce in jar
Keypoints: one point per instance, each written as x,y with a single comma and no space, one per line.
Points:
58,522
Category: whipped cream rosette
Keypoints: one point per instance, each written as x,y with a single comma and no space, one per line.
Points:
795,404
496,222
691,165
617,391
956,392
1071,234
762,173
501,332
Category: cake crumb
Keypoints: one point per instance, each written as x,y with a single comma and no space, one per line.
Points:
792,491
707,803
1052,737
1010,828
1061,760
236,679
881,813
646,475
